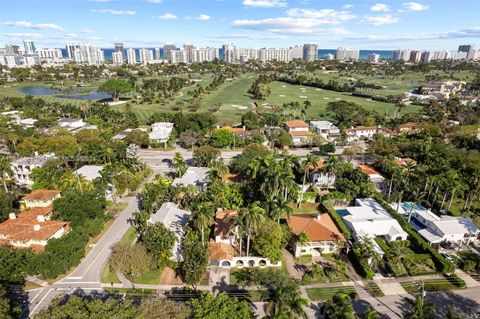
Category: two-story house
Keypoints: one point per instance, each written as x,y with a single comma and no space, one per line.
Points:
40,198
299,131
23,167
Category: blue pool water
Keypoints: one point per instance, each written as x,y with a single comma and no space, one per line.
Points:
94,95
408,206
30,90
342,212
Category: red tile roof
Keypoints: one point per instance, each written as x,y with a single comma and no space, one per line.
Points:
368,169
405,161
223,221
322,229
300,133
42,194
296,123
219,251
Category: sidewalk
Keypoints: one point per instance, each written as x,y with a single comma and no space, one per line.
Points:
469,281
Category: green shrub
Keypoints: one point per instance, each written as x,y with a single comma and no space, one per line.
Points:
457,281
337,220
469,265
361,265
382,244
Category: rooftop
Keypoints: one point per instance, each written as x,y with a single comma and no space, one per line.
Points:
193,176
42,194
317,228
34,160
220,251
90,172
296,123
368,169
300,133
223,221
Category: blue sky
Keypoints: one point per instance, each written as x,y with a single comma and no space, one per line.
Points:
426,24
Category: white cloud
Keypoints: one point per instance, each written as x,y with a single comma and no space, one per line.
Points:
87,31
155,1
245,36
288,25
265,3
415,6
202,17
24,35
70,35
325,16
380,7
457,34
380,20
38,26
100,0
348,6
114,12
167,16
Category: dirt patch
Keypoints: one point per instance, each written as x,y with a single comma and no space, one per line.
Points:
170,277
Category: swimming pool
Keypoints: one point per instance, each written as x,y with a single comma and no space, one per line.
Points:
342,212
408,206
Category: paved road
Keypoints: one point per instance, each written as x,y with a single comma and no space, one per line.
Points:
88,274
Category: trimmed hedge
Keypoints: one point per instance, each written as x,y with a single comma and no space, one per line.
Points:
337,220
382,244
361,265
418,243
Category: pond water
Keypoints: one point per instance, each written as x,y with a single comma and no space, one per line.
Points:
72,95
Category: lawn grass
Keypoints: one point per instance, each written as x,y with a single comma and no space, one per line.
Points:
373,289
250,295
131,291
304,260
129,236
109,276
31,285
305,211
151,277
441,284
316,294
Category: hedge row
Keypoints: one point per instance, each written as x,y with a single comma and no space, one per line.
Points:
361,265
338,220
382,244
418,243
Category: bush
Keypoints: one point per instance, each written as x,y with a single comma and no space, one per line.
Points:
361,265
469,265
338,220
382,244
457,281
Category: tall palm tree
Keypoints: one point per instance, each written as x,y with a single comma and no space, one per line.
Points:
422,309
203,217
252,218
278,207
331,167
296,306
310,162
5,171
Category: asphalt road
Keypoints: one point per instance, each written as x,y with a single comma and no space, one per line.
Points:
88,274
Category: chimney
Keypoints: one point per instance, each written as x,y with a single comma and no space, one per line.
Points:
12,216
318,216
40,218
36,227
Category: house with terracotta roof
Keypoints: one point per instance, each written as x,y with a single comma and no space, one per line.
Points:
225,228
319,176
404,162
41,198
323,235
377,179
32,229
299,131
359,132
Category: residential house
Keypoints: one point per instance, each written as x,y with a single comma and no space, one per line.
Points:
40,198
161,132
320,177
23,167
369,218
91,173
71,123
121,135
225,230
359,132
377,179
323,235
32,229
174,219
438,229
299,132
193,176
408,128
325,129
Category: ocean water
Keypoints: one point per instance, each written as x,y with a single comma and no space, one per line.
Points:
384,54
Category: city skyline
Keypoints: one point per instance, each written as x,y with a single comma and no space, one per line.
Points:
382,25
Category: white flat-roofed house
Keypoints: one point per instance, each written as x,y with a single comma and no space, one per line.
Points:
369,218
299,131
22,167
437,229
325,129
359,132
161,132
193,176
121,135
91,173
174,219
71,123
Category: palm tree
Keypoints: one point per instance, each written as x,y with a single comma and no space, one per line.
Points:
251,217
422,309
203,217
179,164
217,170
331,167
278,207
370,313
310,162
366,249
5,171
295,306
339,306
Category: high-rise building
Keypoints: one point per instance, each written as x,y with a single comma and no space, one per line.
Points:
11,49
131,56
401,55
146,56
178,56
415,56
50,54
71,47
373,58
157,54
202,54
310,52
117,58
229,53
86,53
329,57
119,48
29,47
347,54
167,49
469,49
426,57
